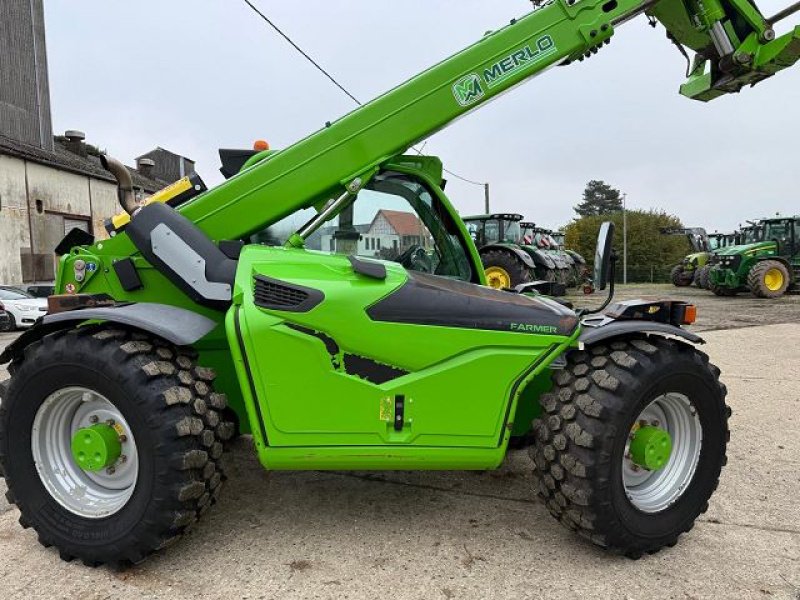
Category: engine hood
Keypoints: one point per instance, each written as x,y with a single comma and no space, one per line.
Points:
747,249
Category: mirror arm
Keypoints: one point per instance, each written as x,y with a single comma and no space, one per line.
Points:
612,276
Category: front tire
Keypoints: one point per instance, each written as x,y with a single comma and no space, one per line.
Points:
680,278
583,442
504,270
167,421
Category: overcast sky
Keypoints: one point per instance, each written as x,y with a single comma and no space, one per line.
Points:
196,75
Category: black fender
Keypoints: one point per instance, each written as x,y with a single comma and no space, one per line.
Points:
541,258
177,325
601,328
579,260
518,252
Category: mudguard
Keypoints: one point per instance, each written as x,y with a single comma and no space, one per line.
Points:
542,258
601,327
180,326
519,253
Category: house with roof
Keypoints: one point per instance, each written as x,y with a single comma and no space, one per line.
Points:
387,236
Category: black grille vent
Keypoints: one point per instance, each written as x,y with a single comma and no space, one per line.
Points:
279,295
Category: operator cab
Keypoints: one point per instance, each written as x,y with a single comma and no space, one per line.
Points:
496,228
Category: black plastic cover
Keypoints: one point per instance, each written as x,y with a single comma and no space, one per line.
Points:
128,276
368,268
218,267
431,300
233,160
76,237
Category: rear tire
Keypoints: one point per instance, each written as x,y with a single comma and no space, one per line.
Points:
769,279
583,434
680,278
173,418
509,268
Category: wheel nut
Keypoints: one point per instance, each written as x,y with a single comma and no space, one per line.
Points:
110,470
111,422
123,438
93,419
123,458
656,423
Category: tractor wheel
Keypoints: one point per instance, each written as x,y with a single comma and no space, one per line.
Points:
10,324
680,278
631,443
720,290
504,270
769,279
701,277
111,443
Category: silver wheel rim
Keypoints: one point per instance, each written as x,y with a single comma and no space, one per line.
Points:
93,495
655,491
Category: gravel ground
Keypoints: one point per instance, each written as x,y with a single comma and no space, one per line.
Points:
480,535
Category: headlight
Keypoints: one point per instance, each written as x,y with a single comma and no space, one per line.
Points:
25,307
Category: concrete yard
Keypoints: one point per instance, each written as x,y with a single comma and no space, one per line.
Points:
481,535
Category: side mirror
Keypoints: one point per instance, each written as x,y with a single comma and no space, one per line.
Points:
602,256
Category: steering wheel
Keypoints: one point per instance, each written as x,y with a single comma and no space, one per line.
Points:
416,259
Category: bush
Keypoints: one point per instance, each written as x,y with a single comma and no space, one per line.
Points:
651,255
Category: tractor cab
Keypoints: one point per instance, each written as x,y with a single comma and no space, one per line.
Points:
494,228
785,232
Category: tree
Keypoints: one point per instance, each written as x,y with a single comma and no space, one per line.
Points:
650,254
599,198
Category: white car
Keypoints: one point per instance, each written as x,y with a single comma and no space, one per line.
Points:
22,308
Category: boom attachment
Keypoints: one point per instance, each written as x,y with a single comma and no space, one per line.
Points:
734,43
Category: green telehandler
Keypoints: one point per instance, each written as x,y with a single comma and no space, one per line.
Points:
767,263
170,336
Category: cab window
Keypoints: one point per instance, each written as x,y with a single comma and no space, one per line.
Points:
396,218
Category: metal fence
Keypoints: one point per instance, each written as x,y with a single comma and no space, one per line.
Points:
644,274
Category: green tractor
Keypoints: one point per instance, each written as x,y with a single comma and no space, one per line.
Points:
716,242
581,273
768,264
510,262
683,274
571,268
177,333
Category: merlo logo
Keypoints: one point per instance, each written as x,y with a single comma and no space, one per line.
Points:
468,90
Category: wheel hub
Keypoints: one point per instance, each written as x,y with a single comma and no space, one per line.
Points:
96,448
651,448
662,453
498,278
773,279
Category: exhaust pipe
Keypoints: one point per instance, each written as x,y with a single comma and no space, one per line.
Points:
124,183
